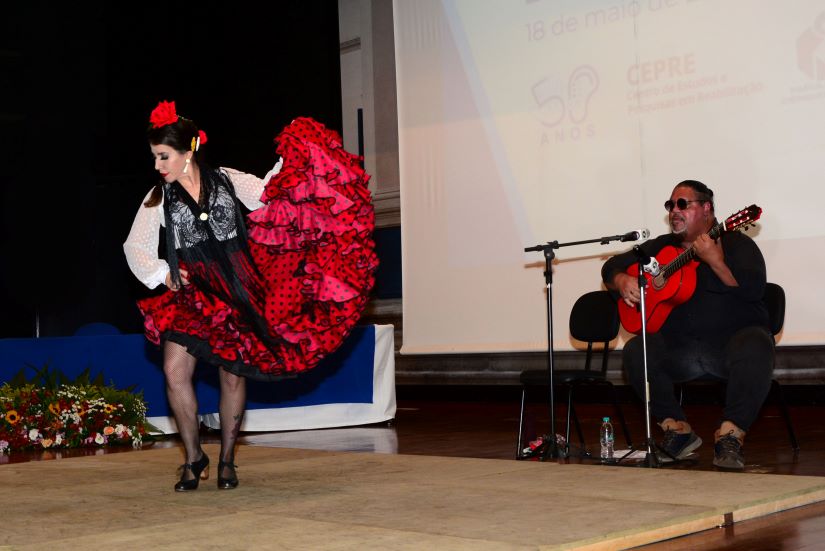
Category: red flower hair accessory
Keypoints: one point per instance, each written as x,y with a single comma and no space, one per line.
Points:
163,114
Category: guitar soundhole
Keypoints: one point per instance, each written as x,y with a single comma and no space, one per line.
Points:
659,282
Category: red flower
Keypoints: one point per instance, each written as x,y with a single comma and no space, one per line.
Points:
202,136
163,114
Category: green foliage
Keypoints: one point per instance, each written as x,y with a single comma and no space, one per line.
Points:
52,379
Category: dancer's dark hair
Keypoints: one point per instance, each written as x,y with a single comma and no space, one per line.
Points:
179,136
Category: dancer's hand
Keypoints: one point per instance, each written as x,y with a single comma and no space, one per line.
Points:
184,279
274,172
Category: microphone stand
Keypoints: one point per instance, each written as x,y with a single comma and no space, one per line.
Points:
651,459
549,448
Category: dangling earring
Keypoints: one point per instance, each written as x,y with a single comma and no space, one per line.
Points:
187,166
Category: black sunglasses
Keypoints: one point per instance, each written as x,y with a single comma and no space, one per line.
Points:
681,202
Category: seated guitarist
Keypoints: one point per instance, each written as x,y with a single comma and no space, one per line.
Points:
721,330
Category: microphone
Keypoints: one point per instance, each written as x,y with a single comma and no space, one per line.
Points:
652,267
634,235
648,263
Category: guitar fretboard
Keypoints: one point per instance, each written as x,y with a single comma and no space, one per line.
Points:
680,261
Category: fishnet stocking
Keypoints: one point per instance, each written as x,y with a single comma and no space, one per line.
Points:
179,366
232,405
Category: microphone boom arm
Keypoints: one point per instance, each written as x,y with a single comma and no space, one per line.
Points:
624,237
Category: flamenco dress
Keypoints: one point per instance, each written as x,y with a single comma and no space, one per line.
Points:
271,298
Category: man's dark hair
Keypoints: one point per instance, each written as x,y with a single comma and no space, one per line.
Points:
703,192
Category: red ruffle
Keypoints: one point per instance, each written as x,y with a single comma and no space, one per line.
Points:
207,319
312,243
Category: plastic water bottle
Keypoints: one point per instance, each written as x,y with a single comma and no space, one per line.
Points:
606,439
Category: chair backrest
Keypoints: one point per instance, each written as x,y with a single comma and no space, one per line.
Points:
595,318
774,299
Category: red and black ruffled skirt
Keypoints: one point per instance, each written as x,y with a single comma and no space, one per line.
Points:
312,245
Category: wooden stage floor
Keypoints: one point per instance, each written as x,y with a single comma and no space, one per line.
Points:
484,427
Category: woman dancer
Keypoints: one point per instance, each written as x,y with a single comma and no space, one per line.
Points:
266,299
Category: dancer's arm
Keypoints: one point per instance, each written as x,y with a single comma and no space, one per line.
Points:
141,247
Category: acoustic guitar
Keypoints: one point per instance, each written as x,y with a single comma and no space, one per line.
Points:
676,280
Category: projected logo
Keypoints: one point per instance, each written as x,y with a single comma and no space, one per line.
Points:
810,49
558,101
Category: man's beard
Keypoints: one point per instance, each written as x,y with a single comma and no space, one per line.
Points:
678,232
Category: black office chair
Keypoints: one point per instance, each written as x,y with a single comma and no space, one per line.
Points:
594,319
774,299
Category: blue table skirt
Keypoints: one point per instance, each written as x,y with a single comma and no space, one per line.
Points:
353,386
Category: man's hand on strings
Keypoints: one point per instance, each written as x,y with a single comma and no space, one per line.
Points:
708,250
628,288
712,254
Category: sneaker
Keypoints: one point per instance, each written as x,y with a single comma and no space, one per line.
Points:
676,445
727,453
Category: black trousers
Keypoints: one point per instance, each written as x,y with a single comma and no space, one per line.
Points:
745,361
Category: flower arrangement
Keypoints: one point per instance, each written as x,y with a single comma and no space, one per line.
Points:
52,412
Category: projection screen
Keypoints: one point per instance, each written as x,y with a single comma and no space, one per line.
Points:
523,122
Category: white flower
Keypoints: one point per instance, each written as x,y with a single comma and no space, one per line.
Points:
99,439
34,434
120,429
58,439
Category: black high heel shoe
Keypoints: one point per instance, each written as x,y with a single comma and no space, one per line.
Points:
230,482
199,470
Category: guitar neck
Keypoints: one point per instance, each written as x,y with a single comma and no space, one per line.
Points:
688,254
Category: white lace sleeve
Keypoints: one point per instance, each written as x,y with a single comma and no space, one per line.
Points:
141,247
248,187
